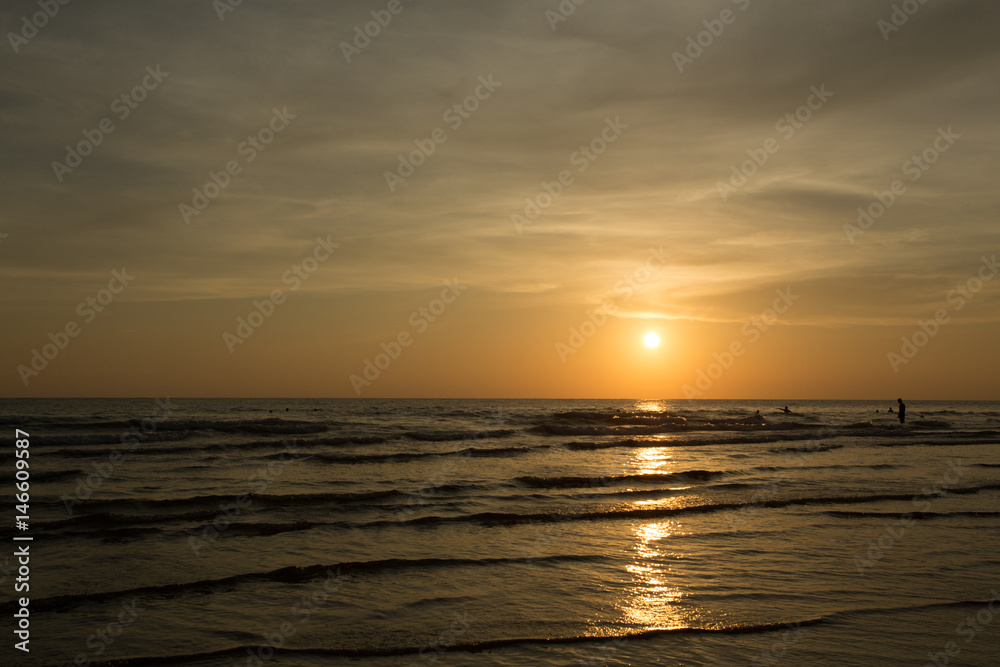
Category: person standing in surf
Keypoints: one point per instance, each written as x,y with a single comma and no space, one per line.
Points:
902,411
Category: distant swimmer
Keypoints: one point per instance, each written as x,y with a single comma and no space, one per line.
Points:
786,410
890,411
902,411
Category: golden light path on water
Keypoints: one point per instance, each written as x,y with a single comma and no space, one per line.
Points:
652,596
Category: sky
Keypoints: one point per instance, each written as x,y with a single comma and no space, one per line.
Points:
500,199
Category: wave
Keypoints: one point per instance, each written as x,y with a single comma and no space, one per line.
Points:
510,518
98,523
689,442
574,482
81,452
448,436
291,575
620,417
71,440
805,449
56,475
835,466
472,647
914,515
474,452
251,499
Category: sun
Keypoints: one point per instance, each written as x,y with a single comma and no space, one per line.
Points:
652,340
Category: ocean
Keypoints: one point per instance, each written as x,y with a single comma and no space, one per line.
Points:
504,532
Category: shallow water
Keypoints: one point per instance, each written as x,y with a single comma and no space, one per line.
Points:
510,532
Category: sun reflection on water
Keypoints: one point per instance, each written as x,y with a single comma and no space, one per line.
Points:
650,460
651,598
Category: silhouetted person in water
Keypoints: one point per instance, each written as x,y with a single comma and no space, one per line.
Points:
902,411
787,410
